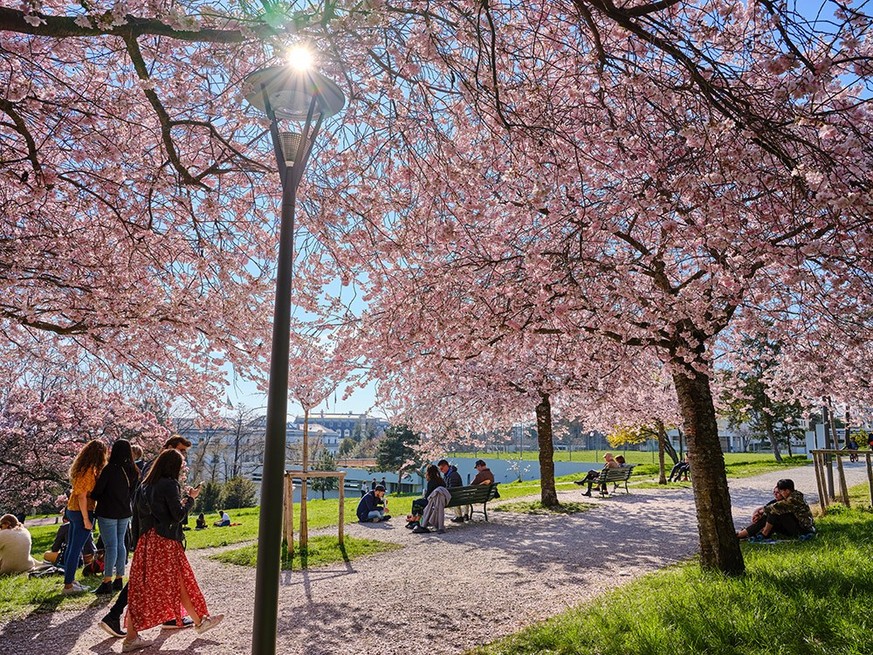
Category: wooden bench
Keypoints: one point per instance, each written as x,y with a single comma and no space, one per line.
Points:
616,476
474,494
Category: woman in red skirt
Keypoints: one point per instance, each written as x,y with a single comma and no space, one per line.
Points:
162,586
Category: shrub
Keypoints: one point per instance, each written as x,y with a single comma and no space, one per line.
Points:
238,492
209,498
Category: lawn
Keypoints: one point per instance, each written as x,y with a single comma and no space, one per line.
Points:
536,507
631,456
321,551
797,597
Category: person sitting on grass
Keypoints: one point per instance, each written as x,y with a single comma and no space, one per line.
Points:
201,522
434,480
55,555
787,515
592,476
15,545
371,508
682,468
223,521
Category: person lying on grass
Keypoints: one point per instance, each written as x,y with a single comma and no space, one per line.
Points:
787,515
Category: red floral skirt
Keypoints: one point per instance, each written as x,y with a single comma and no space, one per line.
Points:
157,572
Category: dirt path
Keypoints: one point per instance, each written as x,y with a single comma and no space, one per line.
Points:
440,594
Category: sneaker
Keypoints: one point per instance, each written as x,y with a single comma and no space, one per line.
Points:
411,525
208,622
375,520
587,493
75,589
137,644
420,530
104,589
187,622
112,626
387,517
117,584
458,519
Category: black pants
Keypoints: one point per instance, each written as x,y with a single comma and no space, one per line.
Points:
785,524
418,506
120,603
678,470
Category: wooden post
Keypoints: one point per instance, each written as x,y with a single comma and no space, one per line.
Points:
342,507
844,489
819,480
869,476
288,519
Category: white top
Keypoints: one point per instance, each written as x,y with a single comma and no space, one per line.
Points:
15,551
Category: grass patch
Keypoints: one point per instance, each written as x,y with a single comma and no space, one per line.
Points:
536,507
321,551
631,456
21,595
797,597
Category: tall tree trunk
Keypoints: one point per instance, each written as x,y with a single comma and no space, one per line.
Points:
548,494
662,439
671,451
719,546
768,429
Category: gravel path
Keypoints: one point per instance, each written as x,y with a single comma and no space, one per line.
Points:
439,594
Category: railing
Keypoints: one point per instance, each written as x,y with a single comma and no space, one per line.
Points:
823,461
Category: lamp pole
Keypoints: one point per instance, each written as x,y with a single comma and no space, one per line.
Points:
308,97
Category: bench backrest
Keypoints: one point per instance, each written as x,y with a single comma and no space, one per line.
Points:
472,494
617,475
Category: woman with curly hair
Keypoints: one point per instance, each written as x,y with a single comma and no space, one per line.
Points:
84,472
162,586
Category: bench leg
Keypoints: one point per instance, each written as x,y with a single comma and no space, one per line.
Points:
485,510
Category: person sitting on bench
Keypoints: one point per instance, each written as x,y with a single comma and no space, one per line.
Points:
434,480
593,475
683,467
789,515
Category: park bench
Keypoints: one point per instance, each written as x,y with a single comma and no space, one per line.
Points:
474,494
615,476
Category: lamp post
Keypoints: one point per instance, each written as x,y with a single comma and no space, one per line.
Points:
288,93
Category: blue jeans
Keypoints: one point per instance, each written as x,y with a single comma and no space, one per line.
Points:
76,539
375,514
115,557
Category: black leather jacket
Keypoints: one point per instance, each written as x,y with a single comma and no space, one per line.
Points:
160,506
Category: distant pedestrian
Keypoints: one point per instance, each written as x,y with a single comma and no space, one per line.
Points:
84,472
373,485
162,585
114,493
384,484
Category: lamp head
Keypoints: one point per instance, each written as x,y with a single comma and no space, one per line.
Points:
290,92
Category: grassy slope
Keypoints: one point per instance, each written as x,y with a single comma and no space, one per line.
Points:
810,598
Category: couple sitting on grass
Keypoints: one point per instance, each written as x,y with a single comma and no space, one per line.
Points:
787,514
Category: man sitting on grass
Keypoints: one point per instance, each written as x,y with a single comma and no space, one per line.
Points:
371,509
788,515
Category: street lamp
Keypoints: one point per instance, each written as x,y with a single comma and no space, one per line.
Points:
301,95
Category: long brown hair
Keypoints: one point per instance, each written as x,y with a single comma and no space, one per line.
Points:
167,465
92,456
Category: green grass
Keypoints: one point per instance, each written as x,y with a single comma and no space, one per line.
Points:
805,598
321,551
536,507
631,456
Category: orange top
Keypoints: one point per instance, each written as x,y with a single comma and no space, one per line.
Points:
84,483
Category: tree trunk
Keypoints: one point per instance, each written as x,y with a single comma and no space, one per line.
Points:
768,428
548,495
719,546
662,438
671,451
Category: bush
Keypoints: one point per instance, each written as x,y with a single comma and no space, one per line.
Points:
209,498
238,492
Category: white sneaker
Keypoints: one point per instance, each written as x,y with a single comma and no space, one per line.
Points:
208,622
137,644
75,589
